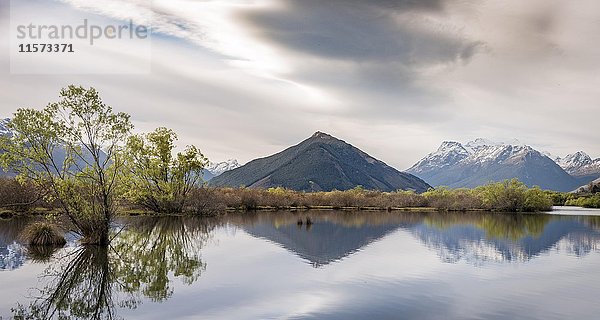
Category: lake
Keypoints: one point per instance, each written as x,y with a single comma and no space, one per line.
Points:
340,265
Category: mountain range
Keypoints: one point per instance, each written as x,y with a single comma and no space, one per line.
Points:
581,166
323,162
477,162
320,163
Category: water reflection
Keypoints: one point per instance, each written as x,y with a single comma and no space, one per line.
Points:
330,236
142,262
12,254
411,261
478,238
473,237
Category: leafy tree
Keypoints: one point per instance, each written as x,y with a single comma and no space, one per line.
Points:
513,195
536,200
508,195
160,180
70,151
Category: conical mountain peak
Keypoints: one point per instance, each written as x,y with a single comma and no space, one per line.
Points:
320,163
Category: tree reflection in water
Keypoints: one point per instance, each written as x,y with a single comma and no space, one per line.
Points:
91,282
497,226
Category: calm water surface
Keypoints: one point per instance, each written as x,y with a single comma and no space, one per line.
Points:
342,266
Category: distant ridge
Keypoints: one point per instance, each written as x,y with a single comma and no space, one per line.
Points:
320,163
581,166
481,161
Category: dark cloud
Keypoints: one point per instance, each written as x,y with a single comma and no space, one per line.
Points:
369,53
382,31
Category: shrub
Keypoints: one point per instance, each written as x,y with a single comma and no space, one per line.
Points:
508,195
593,202
513,195
249,199
452,199
42,254
42,234
558,198
404,199
537,200
586,201
17,196
205,201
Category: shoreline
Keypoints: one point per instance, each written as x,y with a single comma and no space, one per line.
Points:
9,214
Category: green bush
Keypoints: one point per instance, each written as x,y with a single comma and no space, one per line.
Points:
585,201
512,196
537,200
558,198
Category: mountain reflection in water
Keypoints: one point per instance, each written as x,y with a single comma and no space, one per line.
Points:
151,254
474,237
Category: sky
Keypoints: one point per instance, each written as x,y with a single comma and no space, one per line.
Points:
245,79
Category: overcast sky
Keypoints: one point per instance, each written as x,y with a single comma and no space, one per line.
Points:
245,79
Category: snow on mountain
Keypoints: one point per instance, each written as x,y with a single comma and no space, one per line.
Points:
579,164
479,161
478,151
220,167
449,153
485,143
498,153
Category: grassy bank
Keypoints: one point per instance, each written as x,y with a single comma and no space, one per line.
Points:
507,196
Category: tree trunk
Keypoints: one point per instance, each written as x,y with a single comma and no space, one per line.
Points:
97,236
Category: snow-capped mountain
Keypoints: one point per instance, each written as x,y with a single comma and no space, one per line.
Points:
449,153
481,161
220,167
479,151
580,165
216,168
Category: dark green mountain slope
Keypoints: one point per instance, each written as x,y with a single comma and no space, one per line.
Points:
320,163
